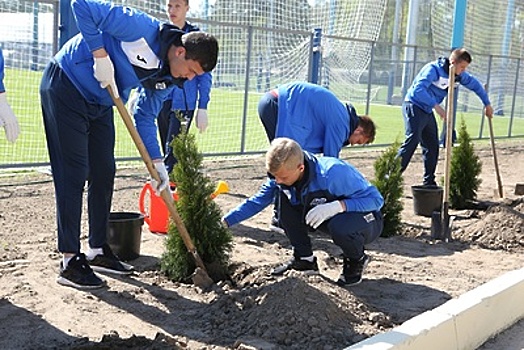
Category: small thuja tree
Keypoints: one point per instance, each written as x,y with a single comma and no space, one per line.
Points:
201,216
465,169
389,182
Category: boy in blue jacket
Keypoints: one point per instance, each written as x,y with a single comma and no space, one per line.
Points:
194,93
426,93
314,117
78,117
323,193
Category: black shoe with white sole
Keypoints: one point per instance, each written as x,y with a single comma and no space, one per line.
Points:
296,264
109,263
352,271
78,274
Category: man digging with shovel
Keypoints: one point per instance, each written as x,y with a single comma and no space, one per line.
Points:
121,48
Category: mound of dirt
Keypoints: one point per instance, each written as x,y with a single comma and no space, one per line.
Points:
258,311
289,311
112,341
501,226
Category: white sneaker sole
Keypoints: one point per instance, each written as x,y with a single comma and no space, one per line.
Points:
129,269
276,229
65,282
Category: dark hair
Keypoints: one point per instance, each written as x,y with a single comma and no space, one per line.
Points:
201,47
460,55
368,126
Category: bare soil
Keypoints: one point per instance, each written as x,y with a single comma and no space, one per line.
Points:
408,274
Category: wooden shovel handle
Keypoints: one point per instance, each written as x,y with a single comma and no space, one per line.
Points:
495,161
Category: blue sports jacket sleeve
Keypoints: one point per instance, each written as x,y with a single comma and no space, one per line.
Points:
254,204
204,89
473,84
146,109
94,17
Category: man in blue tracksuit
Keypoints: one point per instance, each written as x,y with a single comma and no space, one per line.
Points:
78,117
323,193
194,94
425,94
314,117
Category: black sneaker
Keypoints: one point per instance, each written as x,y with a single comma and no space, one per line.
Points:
109,263
296,264
275,226
79,274
352,271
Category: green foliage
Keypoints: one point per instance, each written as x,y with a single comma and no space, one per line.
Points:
201,216
389,182
465,169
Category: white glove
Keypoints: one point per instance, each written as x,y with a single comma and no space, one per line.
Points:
164,178
201,120
105,73
323,212
8,119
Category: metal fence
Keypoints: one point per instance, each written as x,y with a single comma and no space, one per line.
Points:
254,59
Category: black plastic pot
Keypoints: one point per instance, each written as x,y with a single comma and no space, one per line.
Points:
427,199
124,234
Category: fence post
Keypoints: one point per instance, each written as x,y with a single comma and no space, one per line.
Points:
370,75
514,99
246,88
34,55
314,56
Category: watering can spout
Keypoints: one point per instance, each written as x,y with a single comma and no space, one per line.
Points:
222,187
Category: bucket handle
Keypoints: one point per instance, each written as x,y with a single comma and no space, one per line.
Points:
147,188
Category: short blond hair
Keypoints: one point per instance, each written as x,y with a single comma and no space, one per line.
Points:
283,152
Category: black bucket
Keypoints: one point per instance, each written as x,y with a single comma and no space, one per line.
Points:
124,234
427,199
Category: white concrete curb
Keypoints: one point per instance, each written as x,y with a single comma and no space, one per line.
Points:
463,323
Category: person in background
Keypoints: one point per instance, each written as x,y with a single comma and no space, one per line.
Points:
194,94
314,117
7,118
322,193
425,94
119,48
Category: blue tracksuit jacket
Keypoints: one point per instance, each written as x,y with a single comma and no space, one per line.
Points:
194,90
329,179
315,118
430,86
138,51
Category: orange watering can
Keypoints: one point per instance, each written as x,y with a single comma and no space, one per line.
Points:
156,215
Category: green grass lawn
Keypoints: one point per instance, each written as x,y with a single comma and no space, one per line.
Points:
234,127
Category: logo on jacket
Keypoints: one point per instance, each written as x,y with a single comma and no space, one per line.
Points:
141,59
140,54
317,201
442,83
161,85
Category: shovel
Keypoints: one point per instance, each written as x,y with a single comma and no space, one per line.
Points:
446,220
496,164
200,276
